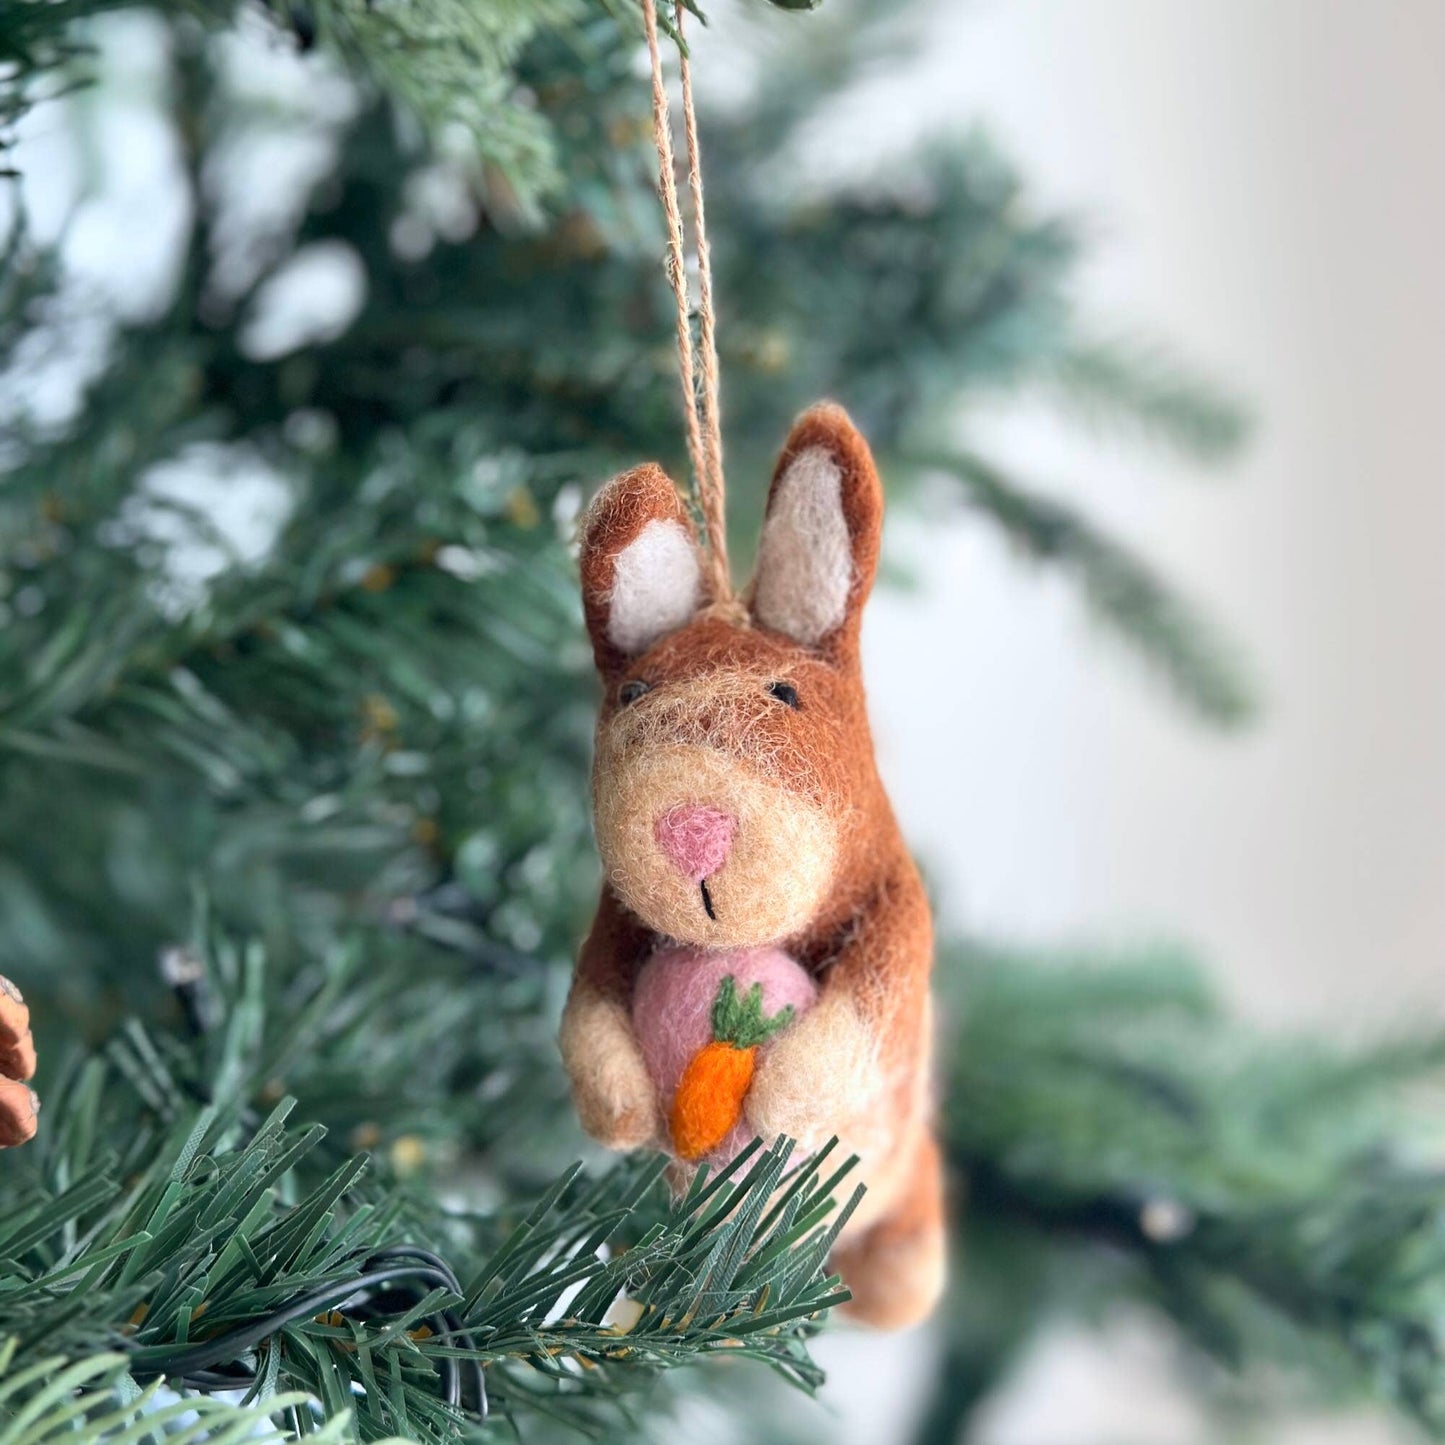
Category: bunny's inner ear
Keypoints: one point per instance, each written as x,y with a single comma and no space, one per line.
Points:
805,557
819,548
641,572
656,587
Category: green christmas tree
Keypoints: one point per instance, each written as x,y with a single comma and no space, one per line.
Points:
294,846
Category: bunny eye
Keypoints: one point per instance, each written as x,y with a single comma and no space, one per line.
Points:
629,692
784,692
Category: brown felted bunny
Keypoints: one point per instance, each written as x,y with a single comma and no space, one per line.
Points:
18,1104
739,811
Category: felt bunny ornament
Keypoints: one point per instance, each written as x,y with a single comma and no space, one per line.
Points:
760,956
18,1104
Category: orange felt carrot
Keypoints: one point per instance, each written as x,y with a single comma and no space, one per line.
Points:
710,1094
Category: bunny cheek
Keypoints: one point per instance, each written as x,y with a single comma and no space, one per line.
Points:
705,850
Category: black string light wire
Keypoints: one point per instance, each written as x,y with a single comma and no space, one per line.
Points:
388,1283
391,1281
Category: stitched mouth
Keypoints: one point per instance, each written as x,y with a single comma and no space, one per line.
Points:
707,900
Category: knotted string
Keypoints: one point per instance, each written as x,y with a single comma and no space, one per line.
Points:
704,425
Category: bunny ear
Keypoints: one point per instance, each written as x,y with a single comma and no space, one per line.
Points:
819,548
641,569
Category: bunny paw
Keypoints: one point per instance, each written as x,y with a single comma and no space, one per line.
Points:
817,1078
614,1096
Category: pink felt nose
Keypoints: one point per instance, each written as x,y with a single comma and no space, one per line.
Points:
696,838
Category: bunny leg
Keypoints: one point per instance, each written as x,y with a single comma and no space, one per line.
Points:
896,1269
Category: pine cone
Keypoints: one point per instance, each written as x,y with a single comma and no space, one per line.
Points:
18,1104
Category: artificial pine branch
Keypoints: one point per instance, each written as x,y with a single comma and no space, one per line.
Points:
1118,384
1121,589
447,64
337,724
205,1255
55,1401
1279,1201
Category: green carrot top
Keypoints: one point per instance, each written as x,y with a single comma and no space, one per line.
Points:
740,1020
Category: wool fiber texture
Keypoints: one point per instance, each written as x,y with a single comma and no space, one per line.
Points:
655,586
672,1005
613,1091
743,826
19,1106
805,562
697,839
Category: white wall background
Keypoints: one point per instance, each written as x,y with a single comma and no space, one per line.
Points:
1268,184
1267,179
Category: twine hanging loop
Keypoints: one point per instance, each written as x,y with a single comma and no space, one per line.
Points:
699,374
